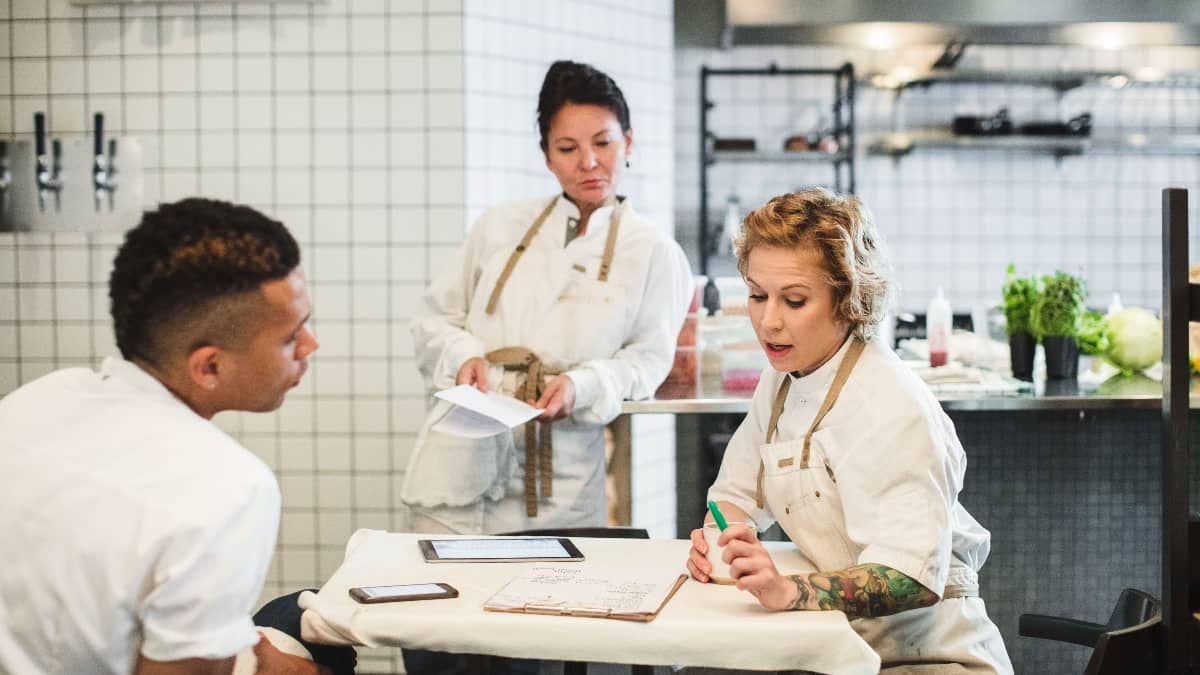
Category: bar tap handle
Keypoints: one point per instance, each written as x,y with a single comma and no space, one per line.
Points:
39,132
5,174
47,170
112,171
98,123
103,170
56,173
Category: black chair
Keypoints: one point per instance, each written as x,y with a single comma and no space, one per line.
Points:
484,663
1131,641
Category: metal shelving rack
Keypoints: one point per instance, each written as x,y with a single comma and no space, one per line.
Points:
899,143
842,161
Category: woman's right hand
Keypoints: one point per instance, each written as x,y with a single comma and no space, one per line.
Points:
697,562
474,371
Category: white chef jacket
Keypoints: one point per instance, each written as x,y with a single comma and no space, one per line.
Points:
130,525
882,486
615,339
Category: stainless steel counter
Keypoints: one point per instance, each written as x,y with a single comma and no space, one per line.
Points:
1117,393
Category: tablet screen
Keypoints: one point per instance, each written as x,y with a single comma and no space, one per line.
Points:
517,549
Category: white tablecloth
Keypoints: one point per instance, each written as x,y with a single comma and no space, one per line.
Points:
702,625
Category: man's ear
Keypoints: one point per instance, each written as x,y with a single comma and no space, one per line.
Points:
203,367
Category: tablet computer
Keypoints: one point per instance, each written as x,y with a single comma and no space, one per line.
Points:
514,549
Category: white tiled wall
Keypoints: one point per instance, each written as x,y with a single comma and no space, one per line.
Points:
956,218
376,130
507,47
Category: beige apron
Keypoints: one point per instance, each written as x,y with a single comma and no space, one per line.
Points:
795,477
539,453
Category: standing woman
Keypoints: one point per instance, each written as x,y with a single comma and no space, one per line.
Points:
571,302
849,452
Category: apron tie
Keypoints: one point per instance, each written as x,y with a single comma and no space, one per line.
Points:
839,380
539,454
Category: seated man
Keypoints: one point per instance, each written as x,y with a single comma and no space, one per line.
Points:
136,533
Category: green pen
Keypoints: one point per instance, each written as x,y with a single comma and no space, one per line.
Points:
717,515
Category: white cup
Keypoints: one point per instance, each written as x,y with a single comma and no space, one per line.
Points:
719,574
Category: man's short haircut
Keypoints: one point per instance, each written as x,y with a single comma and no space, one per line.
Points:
183,261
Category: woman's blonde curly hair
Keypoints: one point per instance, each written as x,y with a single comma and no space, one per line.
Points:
842,231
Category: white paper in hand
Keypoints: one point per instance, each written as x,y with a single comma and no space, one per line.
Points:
478,415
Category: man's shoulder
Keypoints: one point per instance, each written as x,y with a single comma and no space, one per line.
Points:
50,384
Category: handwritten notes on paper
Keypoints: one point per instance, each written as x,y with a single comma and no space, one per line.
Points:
585,592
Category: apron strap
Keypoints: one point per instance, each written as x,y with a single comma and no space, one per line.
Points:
772,426
610,244
843,374
539,453
960,591
516,255
839,380
610,247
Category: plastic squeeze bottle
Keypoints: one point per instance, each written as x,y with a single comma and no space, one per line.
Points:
937,329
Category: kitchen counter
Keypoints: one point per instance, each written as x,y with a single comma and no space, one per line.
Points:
1117,393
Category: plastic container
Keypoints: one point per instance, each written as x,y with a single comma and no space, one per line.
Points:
742,363
938,324
1114,306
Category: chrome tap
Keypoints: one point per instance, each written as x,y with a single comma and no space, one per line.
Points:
5,174
104,169
49,170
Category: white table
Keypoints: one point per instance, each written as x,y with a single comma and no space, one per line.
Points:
702,625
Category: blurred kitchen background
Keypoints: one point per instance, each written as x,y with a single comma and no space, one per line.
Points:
377,130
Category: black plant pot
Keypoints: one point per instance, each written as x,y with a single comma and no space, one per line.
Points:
1062,357
1021,346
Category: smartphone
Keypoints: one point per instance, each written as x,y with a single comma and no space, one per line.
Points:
400,593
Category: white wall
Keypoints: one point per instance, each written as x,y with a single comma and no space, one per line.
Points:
376,131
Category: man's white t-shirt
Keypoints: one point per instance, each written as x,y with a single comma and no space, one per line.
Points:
128,524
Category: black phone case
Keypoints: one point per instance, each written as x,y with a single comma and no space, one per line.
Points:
448,592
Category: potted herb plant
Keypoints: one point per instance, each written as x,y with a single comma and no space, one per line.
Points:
1019,294
1056,317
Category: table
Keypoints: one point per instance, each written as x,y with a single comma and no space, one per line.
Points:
702,625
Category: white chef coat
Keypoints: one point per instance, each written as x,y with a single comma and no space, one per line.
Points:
615,339
130,525
881,486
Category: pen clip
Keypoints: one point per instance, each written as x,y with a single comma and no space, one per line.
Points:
561,609
544,608
588,611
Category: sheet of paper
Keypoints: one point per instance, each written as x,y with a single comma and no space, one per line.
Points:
478,415
581,588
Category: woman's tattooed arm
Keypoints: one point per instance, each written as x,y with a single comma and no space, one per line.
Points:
861,591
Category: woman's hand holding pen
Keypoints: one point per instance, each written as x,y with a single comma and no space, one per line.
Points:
752,568
697,562
558,399
474,371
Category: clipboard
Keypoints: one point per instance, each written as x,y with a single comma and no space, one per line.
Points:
574,591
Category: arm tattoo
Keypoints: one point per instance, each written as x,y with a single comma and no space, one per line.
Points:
862,591
803,592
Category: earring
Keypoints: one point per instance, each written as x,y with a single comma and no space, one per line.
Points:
211,384
626,162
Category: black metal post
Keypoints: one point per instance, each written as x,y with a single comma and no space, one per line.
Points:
838,101
850,150
1175,431
704,105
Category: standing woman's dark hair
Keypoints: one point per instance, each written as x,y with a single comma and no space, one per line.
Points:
571,82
